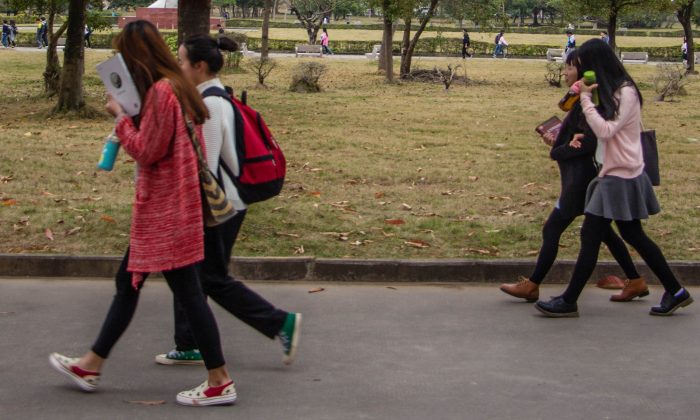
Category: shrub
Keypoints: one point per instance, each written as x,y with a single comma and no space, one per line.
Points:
670,81
305,78
554,74
262,67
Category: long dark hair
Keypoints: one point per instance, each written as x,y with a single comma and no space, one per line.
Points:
205,48
595,54
149,60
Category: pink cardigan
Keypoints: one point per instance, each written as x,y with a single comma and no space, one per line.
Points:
621,136
167,229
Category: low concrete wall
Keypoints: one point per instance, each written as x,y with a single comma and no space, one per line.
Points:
343,270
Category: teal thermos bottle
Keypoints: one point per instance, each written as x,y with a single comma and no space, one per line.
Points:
109,153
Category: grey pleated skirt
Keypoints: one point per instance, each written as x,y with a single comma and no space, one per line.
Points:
623,199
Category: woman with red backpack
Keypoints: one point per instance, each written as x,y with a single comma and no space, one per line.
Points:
201,59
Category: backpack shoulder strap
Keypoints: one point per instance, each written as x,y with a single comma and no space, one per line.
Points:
216,91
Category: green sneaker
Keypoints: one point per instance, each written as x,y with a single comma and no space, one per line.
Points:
289,336
176,357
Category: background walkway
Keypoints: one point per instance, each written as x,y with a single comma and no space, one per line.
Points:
367,351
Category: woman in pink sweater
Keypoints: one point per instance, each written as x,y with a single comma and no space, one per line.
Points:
622,192
166,225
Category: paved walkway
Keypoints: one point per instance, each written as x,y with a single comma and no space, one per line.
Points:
367,352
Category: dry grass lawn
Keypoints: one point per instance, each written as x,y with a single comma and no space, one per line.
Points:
375,170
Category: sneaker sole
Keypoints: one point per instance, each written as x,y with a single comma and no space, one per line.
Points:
289,358
162,360
669,313
527,299
557,315
82,383
222,400
630,299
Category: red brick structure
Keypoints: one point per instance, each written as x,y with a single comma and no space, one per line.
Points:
163,18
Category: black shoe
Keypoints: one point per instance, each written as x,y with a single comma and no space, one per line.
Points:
557,307
669,304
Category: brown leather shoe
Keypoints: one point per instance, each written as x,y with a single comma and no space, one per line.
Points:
611,282
524,289
633,288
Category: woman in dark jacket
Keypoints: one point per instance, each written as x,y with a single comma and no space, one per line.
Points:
577,169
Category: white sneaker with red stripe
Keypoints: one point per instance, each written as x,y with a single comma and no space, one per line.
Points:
68,366
208,395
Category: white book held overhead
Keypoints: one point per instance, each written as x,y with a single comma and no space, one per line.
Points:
117,79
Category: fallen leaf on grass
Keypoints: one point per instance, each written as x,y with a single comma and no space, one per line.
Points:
391,287
473,178
6,178
405,206
291,235
378,195
108,219
417,243
315,193
528,185
149,402
477,251
533,252
317,290
299,249
73,231
49,234
394,221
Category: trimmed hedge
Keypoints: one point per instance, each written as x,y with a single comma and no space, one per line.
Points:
426,46
542,30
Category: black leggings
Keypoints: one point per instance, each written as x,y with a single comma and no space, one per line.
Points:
633,234
184,283
553,228
231,294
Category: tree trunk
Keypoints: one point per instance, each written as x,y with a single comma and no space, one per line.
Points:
406,60
52,72
405,42
192,18
535,16
612,28
265,29
386,60
685,16
70,94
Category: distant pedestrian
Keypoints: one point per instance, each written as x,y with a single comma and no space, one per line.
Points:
466,43
605,37
13,33
44,32
500,43
39,36
324,42
220,29
570,43
88,33
684,52
5,33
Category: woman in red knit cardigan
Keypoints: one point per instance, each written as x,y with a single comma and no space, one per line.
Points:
167,225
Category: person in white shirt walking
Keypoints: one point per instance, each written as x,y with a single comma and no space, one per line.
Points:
201,59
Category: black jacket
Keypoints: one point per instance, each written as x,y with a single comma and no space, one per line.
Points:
576,166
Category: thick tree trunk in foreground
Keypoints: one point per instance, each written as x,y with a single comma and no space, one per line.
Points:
70,94
386,59
192,18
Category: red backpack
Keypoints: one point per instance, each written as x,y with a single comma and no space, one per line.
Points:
261,161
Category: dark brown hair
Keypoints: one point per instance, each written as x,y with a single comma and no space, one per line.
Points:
205,48
149,60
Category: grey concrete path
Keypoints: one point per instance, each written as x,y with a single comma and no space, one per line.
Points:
367,352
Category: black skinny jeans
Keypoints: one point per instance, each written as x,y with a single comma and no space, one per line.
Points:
184,284
231,294
553,228
632,232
